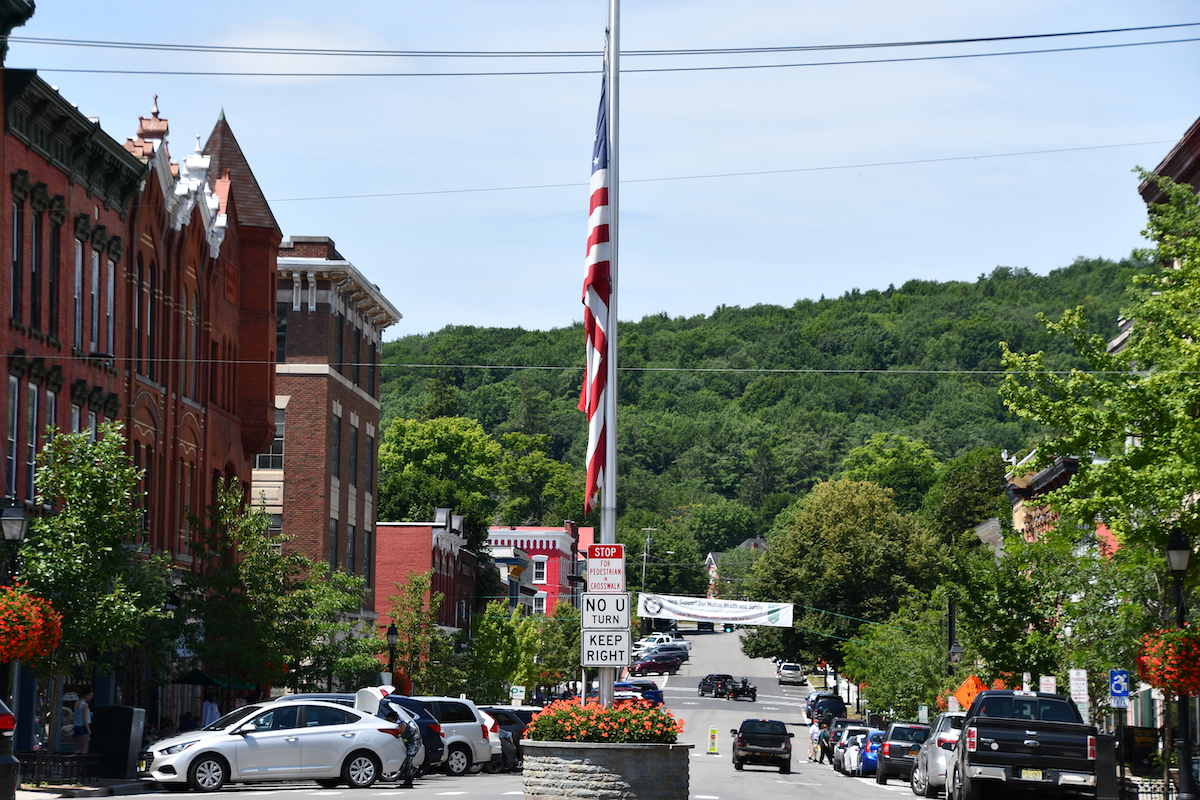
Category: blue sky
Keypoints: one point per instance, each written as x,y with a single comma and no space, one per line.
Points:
849,214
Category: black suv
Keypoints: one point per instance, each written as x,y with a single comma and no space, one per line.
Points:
10,768
710,683
899,750
762,741
828,707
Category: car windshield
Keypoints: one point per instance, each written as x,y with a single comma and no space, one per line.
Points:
232,718
764,726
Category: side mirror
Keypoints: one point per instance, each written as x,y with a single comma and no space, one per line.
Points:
947,745
733,732
791,735
244,729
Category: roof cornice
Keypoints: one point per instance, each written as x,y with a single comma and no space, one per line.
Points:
349,281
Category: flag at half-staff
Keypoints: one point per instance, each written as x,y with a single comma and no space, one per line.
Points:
597,294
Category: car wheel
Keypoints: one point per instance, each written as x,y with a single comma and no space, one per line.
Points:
361,770
459,760
699,692
737,765
927,788
328,783
754,698
963,789
881,775
785,767
914,780
674,671
208,773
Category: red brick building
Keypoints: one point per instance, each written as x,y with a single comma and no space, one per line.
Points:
555,556
408,547
319,475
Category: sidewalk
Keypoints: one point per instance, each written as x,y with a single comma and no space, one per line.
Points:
102,788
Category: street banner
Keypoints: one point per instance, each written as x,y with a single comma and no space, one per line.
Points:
707,609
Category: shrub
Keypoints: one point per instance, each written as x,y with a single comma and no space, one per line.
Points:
626,722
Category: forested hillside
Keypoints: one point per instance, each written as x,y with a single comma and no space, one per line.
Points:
743,410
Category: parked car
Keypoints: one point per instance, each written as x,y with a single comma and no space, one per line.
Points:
303,740
829,707
813,697
645,688
10,767
929,766
1017,740
900,748
668,649
792,674
514,725
658,664
431,730
464,731
709,683
850,755
868,759
842,742
762,741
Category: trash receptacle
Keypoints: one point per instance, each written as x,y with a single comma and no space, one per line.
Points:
117,739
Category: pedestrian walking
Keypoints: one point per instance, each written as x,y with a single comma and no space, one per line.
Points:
814,737
824,745
83,720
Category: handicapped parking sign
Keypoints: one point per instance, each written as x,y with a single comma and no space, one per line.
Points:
1118,688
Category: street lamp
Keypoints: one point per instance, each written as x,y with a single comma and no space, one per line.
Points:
15,525
1179,551
393,636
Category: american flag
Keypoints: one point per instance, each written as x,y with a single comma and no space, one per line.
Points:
597,288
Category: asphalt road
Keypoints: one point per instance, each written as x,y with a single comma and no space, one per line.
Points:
712,776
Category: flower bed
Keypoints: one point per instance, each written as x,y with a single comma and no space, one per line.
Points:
625,722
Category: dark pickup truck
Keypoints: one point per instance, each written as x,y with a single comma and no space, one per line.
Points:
1026,742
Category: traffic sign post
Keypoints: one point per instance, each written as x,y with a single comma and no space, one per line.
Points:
605,611
1118,688
606,614
606,568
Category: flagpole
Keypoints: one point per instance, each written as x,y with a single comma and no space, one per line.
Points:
608,493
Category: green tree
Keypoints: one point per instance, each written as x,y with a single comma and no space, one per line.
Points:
720,525
494,654
423,652
443,396
906,466
81,557
969,490
561,644
448,462
736,568
1135,407
843,555
253,612
535,489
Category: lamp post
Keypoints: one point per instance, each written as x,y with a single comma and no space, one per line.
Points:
1179,552
393,636
15,525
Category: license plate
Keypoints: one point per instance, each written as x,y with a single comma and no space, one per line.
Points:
1031,774
912,753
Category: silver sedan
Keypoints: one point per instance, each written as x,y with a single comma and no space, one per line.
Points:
321,741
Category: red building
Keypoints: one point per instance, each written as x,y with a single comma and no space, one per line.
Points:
319,475
555,556
418,547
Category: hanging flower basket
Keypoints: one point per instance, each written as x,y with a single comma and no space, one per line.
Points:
29,626
1170,660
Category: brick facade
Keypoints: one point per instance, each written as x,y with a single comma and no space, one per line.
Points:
319,476
555,556
418,547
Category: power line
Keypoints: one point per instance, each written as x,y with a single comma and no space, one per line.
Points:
520,73
752,173
358,53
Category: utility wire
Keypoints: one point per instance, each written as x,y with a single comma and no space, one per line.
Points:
791,170
516,73
357,53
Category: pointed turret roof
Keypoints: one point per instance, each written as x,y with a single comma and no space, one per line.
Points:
227,159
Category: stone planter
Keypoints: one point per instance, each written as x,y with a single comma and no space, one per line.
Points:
587,771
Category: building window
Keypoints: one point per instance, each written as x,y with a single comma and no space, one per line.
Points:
77,339
186,480
539,570
35,272
366,559
10,456
76,418
369,463
94,302
353,456
333,545
371,370
355,364
275,534
52,280
350,564
273,458
281,310
108,309
92,424
31,427
539,603
18,223
335,454
339,335
51,410
151,323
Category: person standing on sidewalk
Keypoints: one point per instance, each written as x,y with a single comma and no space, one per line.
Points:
83,720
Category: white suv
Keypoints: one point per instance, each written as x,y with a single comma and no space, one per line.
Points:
464,730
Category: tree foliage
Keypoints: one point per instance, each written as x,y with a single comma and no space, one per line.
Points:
424,653
906,466
1134,408
82,557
